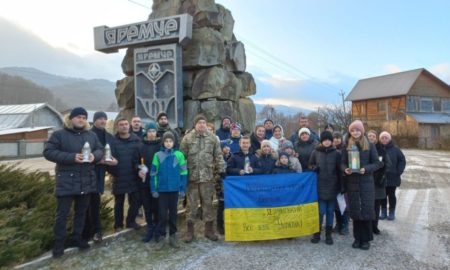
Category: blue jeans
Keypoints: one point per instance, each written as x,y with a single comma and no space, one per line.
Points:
326,207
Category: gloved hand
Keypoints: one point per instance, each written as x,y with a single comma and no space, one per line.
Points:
155,195
181,195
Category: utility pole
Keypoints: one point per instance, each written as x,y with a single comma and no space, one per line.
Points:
342,93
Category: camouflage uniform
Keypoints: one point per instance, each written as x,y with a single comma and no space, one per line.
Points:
203,157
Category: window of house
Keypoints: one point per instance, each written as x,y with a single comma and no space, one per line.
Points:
412,104
426,105
437,105
381,106
446,105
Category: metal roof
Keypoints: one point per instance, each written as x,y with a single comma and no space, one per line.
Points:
21,108
397,84
431,118
22,130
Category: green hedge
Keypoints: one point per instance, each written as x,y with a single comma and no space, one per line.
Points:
27,213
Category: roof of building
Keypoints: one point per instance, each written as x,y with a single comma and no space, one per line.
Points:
431,118
22,130
396,84
13,116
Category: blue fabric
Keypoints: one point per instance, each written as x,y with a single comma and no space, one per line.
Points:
326,207
260,191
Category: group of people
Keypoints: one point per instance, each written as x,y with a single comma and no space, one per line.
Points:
156,168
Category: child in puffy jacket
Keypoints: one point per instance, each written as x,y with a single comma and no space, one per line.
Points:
168,183
283,165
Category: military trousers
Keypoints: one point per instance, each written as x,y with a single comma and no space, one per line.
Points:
200,192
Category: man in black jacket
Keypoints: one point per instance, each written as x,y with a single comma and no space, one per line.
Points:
92,226
162,122
244,162
74,175
125,179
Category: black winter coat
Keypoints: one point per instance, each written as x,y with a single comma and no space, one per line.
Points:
379,176
304,150
361,188
105,138
125,178
255,143
397,165
326,161
161,130
267,163
278,169
147,151
73,178
237,161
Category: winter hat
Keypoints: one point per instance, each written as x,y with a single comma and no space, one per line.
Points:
304,130
78,111
199,117
329,126
151,125
168,135
161,114
286,144
100,114
283,154
326,135
235,126
385,134
357,124
280,127
266,142
337,135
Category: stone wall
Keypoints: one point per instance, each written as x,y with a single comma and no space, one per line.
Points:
214,78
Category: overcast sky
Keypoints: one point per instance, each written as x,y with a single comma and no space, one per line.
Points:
301,53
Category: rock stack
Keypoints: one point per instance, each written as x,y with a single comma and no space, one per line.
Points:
214,79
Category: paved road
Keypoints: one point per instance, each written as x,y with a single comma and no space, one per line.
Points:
418,239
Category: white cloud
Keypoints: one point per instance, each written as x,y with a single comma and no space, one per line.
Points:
281,82
391,68
442,71
289,102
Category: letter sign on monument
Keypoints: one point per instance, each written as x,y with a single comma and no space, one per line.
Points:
157,62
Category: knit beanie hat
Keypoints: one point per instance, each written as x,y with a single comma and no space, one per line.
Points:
286,144
283,154
304,130
100,114
168,135
151,125
385,134
357,124
326,135
161,114
266,142
337,135
78,111
199,117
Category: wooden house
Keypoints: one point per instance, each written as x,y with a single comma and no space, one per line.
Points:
413,106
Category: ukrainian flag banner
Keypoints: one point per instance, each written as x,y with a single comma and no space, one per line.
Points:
275,206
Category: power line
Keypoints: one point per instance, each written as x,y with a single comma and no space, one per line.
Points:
139,4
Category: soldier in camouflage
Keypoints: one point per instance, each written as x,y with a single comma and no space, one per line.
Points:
202,151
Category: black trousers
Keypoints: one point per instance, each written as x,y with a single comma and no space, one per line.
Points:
133,208
63,206
167,210
150,207
220,210
92,224
390,195
362,230
377,213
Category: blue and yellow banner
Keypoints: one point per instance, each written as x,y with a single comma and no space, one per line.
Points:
275,206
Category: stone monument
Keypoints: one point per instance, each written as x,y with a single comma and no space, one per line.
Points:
214,79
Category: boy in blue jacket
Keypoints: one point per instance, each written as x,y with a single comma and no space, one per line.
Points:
168,179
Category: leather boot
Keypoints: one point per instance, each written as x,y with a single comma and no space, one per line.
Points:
383,215
190,232
209,231
391,214
316,238
328,238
